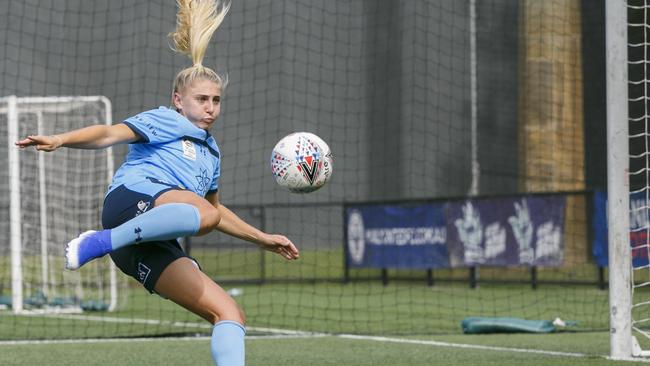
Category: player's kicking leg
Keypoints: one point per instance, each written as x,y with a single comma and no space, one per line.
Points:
165,222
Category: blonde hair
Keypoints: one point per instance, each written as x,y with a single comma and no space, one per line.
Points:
196,21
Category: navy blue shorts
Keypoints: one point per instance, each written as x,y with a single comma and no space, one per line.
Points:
145,261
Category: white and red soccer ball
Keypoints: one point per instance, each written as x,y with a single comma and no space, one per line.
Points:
301,162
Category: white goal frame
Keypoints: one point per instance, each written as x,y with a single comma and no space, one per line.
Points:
623,342
58,104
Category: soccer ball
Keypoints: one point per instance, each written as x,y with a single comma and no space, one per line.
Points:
301,162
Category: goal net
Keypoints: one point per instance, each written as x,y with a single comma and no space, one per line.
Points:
629,31
48,199
484,120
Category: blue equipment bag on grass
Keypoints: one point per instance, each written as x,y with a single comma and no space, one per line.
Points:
480,325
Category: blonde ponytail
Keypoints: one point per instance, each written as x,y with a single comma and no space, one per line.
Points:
196,22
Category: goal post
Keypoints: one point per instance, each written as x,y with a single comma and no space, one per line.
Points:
53,197
14,214
620,301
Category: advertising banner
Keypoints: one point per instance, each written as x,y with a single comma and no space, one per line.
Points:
639,224
515,231
507,231
391,236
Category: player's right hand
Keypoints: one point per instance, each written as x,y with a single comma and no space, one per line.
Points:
42,143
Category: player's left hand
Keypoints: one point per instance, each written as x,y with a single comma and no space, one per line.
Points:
280,244
42,143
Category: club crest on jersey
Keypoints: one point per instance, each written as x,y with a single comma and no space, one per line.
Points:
189,150
203,181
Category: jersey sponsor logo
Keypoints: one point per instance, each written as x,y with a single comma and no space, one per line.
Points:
189,150
204,144
143,272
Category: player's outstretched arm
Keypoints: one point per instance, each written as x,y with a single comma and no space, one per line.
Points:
233,225
91,137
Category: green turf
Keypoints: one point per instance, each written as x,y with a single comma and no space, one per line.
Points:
248,263
323,351
359,307
403,308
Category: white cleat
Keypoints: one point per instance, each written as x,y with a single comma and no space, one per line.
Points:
73,251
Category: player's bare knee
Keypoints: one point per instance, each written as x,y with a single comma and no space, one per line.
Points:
242,316
236,315
212,318
210,218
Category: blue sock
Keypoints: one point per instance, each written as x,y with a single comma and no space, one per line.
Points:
227,343
170,221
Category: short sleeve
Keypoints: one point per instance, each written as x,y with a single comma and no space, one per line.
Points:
156,126
214,187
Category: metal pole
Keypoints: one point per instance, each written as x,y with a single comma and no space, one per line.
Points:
474,188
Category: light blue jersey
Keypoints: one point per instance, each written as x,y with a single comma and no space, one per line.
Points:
171,152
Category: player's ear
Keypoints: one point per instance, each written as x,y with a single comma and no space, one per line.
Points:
176,99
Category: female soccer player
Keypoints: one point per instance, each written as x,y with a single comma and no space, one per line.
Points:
168,188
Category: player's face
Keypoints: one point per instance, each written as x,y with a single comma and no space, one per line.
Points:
199,102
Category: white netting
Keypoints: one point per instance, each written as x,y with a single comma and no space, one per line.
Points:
638,42
410,95
61,194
